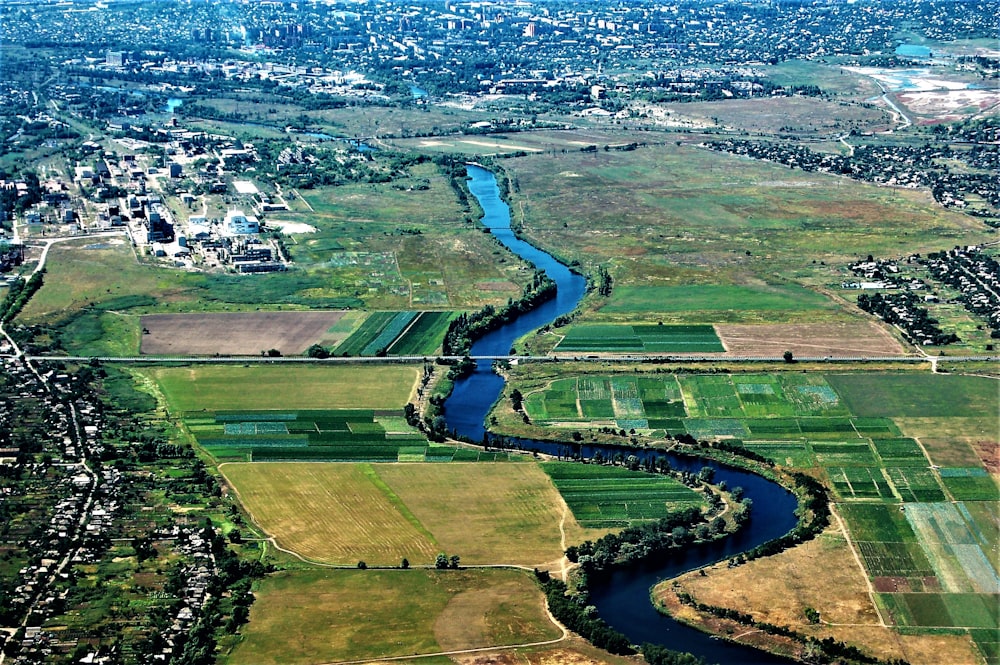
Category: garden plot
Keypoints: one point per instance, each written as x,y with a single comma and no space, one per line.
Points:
952,548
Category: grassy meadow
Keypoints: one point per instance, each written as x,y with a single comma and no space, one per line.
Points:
284,386
690,235
306,617
381,513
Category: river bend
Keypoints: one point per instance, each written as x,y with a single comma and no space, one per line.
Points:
621,597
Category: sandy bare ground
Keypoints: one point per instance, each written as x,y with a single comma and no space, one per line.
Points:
238,333
859,338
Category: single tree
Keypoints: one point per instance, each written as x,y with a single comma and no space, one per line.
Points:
789,358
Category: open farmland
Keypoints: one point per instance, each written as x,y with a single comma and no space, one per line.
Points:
589,338
381,513
778,589
348,435
397,334
839,338
218,387
924,534
695,237
238,333
611,497
319,616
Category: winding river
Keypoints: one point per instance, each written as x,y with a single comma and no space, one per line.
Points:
621,597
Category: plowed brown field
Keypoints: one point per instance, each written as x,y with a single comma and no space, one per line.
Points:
808,339
238,333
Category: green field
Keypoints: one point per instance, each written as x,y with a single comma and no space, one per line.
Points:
284,386
626,401
347,435
314,616
612,497
713,298
589,338
399,333
919,395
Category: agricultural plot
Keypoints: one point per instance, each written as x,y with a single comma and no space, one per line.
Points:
863,482
915,484
396,333
304,617
208,388
379,513
347,435
612,497
918,395
591,338
969,484
954,548
626,402
900,452
787,453
712,297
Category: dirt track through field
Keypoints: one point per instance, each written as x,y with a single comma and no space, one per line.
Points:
237,333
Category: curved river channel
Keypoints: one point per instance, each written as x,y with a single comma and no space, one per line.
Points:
621,597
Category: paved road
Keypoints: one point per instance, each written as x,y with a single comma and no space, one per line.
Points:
518,359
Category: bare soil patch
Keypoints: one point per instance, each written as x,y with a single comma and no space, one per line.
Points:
850,338
237,333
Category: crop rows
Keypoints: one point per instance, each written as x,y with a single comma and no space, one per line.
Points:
399,333
605,496
641,339
388,334
424,337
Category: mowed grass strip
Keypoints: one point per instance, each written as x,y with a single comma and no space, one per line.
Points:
216,387
334,513
319,616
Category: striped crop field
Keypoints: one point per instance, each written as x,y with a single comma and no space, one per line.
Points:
614,497
397,333
423,337
345,435
591,338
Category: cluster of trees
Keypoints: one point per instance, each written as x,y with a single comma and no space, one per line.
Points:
717,86
902,310
467,328
18,294
637,542
977,278
444,561
604,282
13,202
576,614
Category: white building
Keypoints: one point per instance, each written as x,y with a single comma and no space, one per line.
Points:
239,224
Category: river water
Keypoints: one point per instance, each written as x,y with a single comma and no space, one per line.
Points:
621,597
